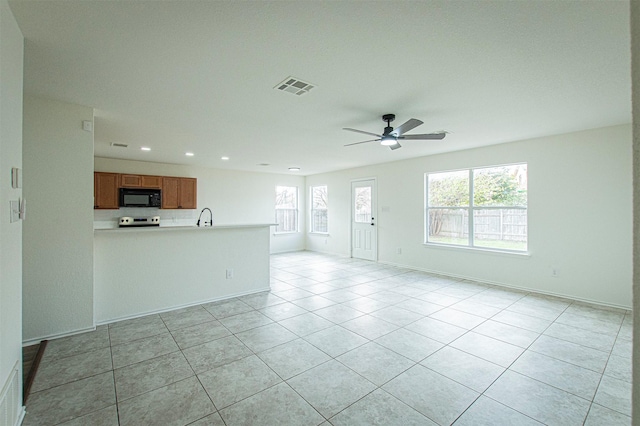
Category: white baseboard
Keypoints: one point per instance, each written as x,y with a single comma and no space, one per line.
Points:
173,308
515,287
56,336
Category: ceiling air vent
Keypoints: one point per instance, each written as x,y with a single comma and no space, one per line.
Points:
295,86
119,145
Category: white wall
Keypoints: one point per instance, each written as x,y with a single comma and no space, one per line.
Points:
58,230
579,215
127,287
635,75
233,197
11,60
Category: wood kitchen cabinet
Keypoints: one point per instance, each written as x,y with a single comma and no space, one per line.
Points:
179,193
105,190
140,181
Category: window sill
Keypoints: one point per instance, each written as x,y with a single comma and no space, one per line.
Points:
322,234
275,234
521,254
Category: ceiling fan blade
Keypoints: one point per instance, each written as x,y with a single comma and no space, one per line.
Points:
361,131
424,137
358,143
396,146
410,124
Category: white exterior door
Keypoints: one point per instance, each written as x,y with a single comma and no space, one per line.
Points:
364,232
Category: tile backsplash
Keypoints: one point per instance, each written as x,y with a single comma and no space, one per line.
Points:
104,219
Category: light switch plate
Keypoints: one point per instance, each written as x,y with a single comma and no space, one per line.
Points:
87,126
16,177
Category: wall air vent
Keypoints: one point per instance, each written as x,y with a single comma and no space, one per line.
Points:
119,145
295,86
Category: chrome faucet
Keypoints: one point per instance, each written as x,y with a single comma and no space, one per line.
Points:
210,217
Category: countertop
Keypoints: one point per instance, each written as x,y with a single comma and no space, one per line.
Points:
184,228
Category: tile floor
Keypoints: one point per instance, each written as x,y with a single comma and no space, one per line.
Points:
340,341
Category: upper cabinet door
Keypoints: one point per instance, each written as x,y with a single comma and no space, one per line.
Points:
105,190
170,192
188,193
151,181
130,181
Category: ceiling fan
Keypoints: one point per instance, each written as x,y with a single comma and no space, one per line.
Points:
391,136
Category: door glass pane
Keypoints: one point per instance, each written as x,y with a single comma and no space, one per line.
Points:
449,226
362,206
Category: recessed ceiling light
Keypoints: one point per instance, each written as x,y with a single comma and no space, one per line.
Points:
224,158
294,169
263,164
189,154
145,148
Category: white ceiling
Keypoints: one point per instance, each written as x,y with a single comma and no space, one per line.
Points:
199,76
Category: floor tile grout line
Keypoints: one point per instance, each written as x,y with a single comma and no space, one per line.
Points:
423,316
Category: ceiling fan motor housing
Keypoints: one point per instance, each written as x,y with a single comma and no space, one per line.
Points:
388,118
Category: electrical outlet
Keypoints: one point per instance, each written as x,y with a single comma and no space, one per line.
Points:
229,274
555,272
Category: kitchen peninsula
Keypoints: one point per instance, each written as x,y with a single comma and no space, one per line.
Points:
138,271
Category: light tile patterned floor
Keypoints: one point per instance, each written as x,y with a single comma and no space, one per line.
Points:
347,342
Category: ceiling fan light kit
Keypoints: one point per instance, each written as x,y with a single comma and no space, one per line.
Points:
388,141
390,136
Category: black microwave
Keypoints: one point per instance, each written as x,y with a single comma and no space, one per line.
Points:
140,197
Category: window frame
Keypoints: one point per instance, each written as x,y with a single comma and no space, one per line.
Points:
471,208
312,210
295,210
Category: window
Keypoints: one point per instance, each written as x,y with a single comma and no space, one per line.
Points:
362,207
286,209
319,215
483,208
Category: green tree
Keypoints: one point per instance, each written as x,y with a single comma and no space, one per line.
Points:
498,186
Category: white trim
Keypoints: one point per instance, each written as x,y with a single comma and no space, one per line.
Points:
187,305
471,209
352,214
158,311
11,393
311,209
296,210
478,249
23,412
515,287
56,336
